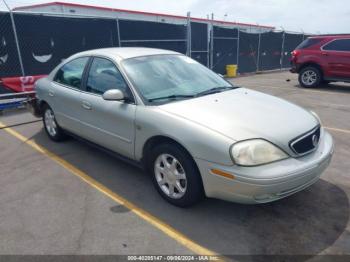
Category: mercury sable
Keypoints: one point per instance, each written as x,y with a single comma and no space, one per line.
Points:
196,134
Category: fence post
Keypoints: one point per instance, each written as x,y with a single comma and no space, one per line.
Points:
282,50
16,38
258,58
189,37
212,42
118,28
238,48
208,44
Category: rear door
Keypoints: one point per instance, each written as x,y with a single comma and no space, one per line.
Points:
65,91
107,123
337,55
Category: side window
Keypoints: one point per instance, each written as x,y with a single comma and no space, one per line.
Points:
338,45
71,73
103,76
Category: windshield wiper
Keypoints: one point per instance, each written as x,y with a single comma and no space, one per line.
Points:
171,97
215,90
206,92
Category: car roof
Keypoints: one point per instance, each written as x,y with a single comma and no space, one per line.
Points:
121,53
331,36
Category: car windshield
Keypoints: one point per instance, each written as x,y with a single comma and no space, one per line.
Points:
164,78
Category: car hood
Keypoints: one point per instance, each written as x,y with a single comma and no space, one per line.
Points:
242,114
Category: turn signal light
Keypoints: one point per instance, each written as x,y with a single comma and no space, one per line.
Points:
222,173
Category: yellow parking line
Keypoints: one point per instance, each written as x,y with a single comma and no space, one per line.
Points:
162,226
338,129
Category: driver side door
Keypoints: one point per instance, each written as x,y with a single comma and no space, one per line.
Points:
107,123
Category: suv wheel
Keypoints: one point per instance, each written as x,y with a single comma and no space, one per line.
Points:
175,175
310,77
51,127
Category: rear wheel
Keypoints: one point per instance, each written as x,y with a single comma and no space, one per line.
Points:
175,175
310,76
53,130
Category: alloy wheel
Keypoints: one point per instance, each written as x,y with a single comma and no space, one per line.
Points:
309,77
170,176
50,122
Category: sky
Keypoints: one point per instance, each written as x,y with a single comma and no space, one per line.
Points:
309,16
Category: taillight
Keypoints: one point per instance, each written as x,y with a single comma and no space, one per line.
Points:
295,53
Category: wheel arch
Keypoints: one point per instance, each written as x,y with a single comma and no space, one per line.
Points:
311,64
153,141
156,140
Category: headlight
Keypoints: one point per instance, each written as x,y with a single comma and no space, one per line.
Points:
316,116
256,152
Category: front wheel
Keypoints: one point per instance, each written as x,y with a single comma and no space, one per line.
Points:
310,77
50,124
175,175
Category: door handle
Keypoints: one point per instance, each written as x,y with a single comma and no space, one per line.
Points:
86,105
51,93
325,54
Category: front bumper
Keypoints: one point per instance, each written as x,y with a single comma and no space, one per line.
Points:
269,182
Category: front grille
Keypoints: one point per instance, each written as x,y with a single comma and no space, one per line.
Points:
307,142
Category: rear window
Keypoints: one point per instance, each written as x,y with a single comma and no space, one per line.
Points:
308,43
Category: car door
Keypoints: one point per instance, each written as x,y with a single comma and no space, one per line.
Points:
107,123
337,55
65,91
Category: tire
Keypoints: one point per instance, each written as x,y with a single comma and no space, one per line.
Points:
52,129
183,176
310,76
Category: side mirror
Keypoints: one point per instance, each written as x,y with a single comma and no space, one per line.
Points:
113,95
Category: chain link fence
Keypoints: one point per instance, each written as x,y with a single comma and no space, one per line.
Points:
9,60
34,43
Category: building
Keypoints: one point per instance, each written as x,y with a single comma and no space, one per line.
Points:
80,9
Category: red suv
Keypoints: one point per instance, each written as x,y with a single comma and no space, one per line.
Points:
322,59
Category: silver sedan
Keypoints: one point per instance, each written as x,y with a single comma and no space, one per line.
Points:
197,134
